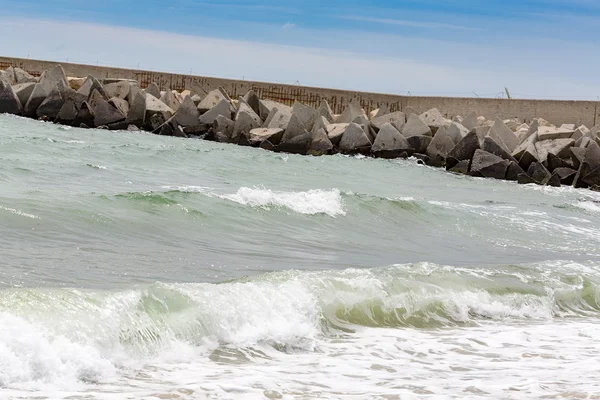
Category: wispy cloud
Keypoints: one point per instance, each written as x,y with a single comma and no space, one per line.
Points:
396,65
412,24
289,26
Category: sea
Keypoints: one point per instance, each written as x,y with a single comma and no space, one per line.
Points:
135,266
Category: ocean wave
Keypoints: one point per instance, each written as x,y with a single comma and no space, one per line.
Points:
70,335
311,202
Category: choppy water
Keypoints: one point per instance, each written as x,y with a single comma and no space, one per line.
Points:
139,266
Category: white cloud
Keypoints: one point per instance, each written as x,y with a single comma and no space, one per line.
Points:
421,66
413,24
289,26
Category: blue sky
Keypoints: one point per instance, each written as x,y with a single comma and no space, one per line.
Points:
541,48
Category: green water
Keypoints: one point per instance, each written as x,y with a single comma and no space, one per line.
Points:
129,261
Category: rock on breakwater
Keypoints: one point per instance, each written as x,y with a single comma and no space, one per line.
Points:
533,151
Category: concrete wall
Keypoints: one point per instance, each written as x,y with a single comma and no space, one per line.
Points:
555,111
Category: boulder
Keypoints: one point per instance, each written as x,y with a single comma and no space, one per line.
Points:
462,167
9,101
553,162
306,114
390,143
320,143
155,106
335,132
95,97
68,112
433,119
592,155
84,115
259,135
48,81
530,140
52,104
457,132
580,132
298,144
397,119
582,142
22,76
212,99
513,123
538,173
223,108
354,140
23,91
251,98
120,104
266,106
351,112
488,165
278,118
464,150
105,113
441,145
90,85
381,111
419,143
170,128
577,156
558,147
415,127
530,155
137,109
592,178
470,121
492,147
522,132
119,90
170,100
513,171
187,114
549,133
362,120
153,90
8,76
245,121
566,175
223,129
568,126
553,181
321,123
482,131
503,136
294,128
525,179
325,111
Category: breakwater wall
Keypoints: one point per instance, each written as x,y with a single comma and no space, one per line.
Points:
554,111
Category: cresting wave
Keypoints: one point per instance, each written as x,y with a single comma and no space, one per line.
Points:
309,202
68,335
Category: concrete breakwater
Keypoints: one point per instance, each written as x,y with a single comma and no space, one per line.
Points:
532,151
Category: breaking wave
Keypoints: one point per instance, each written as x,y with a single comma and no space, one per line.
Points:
83,336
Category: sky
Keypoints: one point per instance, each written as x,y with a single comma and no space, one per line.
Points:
535,48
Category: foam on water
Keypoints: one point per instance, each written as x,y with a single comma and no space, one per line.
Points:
63,341
311,202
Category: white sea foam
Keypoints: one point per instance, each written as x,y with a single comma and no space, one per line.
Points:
591,206
19,212
311,202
